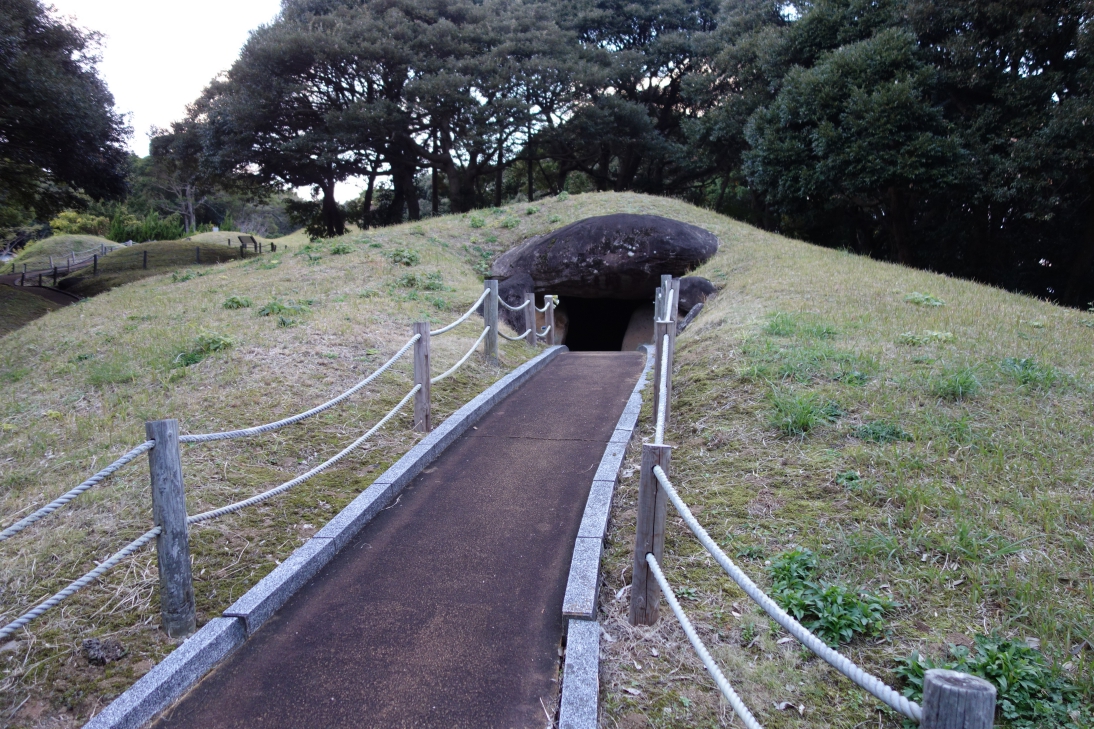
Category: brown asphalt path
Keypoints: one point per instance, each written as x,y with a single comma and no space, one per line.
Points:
446,610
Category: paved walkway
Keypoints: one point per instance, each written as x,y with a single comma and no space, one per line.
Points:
446,610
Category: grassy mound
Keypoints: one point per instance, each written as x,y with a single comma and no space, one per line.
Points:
922,445
905,457
36,254
18,308
239,343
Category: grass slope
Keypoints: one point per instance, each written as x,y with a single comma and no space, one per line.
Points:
940,456
17,308
36,254
80,383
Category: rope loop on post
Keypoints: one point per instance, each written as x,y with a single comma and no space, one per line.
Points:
513,308
543,334
463,359
462,319
516,338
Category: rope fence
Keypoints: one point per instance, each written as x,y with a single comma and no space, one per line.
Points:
516,338
950,699
165,467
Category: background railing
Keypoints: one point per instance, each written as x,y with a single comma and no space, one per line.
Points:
951,700
170,521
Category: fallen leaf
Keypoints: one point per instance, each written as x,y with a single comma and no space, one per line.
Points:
632,691
787,639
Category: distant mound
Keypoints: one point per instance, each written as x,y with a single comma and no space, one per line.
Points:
37,253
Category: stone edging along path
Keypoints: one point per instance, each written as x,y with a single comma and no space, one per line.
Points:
200,653
581,675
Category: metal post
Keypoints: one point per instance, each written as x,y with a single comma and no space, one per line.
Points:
145,260
530,317
422,420
549,320
649,536
953,700
173,543
490,319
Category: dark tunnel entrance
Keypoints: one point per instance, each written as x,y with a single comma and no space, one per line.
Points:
602,324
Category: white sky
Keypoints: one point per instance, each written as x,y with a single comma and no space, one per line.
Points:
158,56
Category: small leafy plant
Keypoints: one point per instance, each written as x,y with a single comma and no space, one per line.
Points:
913,339
510,223
921,299
177,277
955,384
404,257
341,249
423,282
280,308
237,302
204,345
532,210
562,196
477,221
834,613
798,414
1030,693
879,432
1028,371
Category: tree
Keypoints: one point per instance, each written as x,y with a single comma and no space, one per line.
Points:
177,172
60,138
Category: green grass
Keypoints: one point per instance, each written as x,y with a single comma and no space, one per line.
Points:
126,265
19,308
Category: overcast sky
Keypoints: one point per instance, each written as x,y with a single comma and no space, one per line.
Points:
158,56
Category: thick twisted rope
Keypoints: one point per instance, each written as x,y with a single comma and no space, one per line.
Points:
668,308
258,429
662,394
463,359
215,513
712,667
462,319
515,308
79,584
543,334
886,694
62,500
546,306
516,338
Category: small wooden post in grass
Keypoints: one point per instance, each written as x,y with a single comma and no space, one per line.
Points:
649,536
95,265
422,420
145,260
23,279
51,262
530,318
953,700
173,542
273,247
39,280
490,319
549,320
197,254
54,276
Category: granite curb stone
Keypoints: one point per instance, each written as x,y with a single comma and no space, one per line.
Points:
581,588
173,676
581,687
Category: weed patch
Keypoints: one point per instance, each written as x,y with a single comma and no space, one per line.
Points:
204,345
835,613
177,277
280,308
422,282
404,257
1029,692
798,414
881,432
237,302
1029,372
341,249
955,384
477,221
110,373
914,339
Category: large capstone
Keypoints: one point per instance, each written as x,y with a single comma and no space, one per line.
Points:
610,257
605,272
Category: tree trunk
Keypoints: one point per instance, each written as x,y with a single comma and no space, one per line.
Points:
898,225
333,220
1078,283
628,167
499,175
435,196
367,216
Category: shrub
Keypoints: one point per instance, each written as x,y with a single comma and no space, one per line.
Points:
563,196
477,221
1029,692
125,227
1027,371
70,222
552,218
798,414
404,256
881,432
920,299
237,302
532,210
956,384
834,613
510,223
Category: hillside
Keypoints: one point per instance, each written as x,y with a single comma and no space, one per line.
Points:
945,462
36,254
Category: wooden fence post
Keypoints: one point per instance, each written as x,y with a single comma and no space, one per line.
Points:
197,254
490,319
953,700
530,318
95,265
173,542
55,277
39,280
674,311
422,420
273,247
145,259
649,536
549,320
660,329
